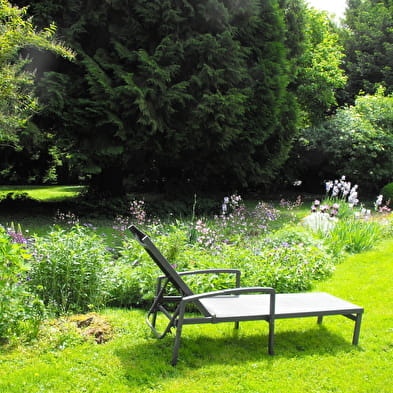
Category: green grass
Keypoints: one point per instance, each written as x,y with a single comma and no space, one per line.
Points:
45,193
310,358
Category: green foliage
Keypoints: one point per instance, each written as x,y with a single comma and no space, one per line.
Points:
368,41
288,261
69,273
20,311
133,275
387,192
319,72
15,196
289,269
17,101
357,142
291,234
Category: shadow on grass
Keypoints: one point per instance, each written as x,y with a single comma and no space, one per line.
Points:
149,362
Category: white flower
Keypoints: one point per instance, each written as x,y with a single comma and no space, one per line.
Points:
335,191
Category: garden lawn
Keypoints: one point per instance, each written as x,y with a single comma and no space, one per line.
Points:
309,358
45,193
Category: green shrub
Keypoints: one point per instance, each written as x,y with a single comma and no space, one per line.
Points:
293,234
20,311
70,269
133,275
287,267
15,196
387,192
351,142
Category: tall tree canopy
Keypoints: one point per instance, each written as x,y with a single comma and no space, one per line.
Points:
368,40
319,72
172,92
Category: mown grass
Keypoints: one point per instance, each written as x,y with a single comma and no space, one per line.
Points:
45,193
213,358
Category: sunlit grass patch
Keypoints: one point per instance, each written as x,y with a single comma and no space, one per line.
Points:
45,193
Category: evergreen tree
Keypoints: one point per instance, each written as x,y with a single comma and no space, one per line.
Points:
368,40
171,92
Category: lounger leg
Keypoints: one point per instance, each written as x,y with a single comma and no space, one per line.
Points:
271,337
320,318
179,327
154,319
177,345
356,331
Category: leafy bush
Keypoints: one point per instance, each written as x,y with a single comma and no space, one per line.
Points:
357,141
70,269
20,311
291,269
291,235
288,267
134,274
387,191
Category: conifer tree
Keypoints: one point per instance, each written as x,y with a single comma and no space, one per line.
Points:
186,93
368,41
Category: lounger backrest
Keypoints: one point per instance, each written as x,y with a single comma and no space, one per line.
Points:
161,261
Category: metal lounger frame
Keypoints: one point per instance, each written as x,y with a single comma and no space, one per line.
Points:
269,306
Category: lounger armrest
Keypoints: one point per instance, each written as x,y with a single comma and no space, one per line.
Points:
233,291
206,271
237,272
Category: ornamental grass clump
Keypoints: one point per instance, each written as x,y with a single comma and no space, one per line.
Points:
354,235
69,271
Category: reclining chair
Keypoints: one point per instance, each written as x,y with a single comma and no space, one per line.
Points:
235,304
